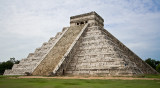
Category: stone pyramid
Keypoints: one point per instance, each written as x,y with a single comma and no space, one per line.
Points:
84,48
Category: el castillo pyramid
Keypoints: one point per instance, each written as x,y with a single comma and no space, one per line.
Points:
84,48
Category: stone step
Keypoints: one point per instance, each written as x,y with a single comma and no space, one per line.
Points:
94,61
93,33
102,72
12,72
38,50
95,46
30,55
51,40
93,37
58,34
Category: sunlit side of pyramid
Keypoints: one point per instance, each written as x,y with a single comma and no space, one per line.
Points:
84,48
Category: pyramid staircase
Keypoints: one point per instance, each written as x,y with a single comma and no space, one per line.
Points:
57,52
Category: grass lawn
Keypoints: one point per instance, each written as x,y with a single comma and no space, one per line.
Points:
151,76
76,83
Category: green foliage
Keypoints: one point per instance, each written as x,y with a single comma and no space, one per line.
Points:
7,65
16,62
153,63
158,68
77,83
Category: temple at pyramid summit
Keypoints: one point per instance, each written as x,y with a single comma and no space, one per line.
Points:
84,48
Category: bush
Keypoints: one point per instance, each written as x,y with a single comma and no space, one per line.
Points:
158,68
153,63
7,65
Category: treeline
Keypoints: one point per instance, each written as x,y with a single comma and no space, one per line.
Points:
7,65
154,64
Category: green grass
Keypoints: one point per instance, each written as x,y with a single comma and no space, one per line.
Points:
76,83
148,76
152,76
9,76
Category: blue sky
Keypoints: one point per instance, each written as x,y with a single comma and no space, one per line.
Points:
26,24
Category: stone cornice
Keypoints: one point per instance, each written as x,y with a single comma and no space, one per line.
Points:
85,19
87,14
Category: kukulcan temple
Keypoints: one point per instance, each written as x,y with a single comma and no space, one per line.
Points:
84,48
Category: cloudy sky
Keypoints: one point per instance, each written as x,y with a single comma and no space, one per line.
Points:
26,24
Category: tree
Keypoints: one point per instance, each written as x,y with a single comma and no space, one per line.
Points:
153,63
158,68
16,62
12,59
7,65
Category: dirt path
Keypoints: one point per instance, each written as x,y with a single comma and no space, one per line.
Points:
77,77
